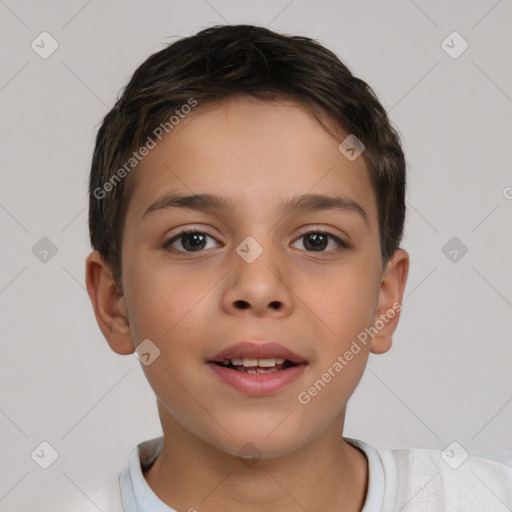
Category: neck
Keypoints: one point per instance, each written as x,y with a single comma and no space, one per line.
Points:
190,474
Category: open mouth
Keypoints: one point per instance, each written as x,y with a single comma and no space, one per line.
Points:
256,366
258,369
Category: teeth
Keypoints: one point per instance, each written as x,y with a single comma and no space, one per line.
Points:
246,362
255,371
267,363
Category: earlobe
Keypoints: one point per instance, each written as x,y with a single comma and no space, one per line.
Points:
389,306
109,307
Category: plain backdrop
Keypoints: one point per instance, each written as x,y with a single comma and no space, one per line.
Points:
447,377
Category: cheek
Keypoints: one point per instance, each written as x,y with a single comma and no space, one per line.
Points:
345,304
163,300
328,393
169,307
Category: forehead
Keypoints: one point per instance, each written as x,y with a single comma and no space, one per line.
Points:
255,153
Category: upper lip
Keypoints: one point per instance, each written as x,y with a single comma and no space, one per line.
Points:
252,350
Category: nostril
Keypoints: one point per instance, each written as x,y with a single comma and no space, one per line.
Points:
242,304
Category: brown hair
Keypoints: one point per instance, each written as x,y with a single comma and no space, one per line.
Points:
215,64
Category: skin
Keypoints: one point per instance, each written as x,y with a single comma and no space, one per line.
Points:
188,304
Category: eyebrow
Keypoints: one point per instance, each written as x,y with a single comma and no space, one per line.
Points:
305,202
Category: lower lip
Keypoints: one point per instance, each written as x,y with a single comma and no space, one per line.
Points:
258,384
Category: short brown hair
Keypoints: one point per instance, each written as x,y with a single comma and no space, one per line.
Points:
216,64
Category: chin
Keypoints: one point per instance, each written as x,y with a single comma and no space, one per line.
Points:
259,441
258,449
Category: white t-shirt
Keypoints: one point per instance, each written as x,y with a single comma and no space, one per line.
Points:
406,480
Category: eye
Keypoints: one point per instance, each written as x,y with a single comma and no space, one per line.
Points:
318,241
190,240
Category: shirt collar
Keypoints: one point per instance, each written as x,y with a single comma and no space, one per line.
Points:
137,495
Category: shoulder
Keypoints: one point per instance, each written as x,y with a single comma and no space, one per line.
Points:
451,479
106,497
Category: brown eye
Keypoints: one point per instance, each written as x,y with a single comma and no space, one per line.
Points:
318,241
190,241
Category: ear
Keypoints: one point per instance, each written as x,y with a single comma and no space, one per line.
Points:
108,304
392,287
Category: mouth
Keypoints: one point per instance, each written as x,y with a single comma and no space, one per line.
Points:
257,368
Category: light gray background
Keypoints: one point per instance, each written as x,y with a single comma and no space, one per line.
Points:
448,375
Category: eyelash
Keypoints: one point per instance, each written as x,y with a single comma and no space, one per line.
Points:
342,245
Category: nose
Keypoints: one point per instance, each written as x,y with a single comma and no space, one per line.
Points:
259,286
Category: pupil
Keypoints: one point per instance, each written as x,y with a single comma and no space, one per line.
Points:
198,241
319,241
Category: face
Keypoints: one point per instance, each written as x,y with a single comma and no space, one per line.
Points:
306,278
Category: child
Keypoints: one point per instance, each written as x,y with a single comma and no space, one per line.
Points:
247,202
